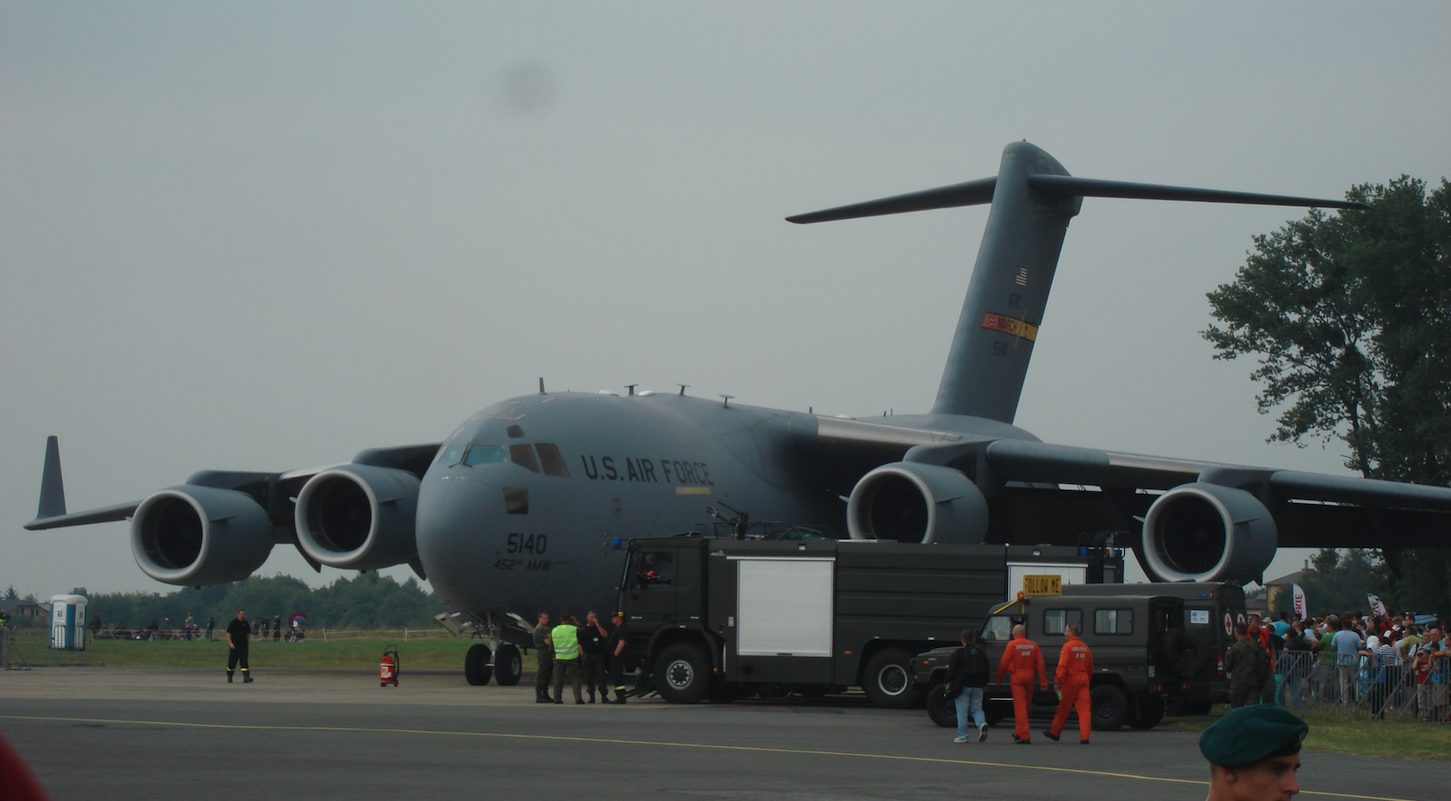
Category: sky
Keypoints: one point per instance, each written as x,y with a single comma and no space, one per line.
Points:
267,236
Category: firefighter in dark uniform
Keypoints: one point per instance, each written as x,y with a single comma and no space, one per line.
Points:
615,647
239,632
596,663
1247,665
1253,753
544,647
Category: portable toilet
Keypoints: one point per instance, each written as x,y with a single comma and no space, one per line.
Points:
68,622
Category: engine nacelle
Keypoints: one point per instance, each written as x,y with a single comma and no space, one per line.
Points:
358,517
200,536
1207,532
911,502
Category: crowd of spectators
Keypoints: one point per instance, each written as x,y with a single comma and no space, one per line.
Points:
1377,665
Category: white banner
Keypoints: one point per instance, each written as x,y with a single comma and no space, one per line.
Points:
1376,606
1299,596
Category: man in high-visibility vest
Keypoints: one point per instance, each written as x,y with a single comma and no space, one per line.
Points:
566,657
1023,659
1075,668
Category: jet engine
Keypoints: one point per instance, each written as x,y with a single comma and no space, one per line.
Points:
911,502
358,517
1208,532
200,536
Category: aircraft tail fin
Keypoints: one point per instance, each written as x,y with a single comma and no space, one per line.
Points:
1032,200
52,488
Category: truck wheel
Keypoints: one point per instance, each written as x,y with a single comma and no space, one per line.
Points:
508,666
1110,707
476,666
1151,712
940,708
681,674
888,681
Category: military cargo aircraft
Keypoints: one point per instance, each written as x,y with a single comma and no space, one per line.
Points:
527,504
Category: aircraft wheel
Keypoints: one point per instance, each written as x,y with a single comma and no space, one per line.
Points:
940,708
476,665
1109,707
508,666
888,680
681,674
1151,713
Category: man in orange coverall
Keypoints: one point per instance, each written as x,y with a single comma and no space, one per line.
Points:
1075,666
1022,658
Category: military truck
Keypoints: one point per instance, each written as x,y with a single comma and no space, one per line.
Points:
722,618
1143,655
1210,612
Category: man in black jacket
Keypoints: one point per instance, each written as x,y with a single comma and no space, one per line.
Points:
239,632
969,668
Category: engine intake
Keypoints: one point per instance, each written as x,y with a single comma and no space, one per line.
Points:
1207,532
200,536
358,517
911,502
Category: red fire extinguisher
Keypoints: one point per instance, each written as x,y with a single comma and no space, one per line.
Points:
389,668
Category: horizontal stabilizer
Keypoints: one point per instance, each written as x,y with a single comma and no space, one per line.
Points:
971,193
1068,186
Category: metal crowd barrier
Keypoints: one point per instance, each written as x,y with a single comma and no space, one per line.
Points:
1374,688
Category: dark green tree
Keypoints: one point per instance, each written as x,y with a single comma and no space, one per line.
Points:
1339,582
1349,316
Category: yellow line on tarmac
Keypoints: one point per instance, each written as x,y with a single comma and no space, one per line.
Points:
708,746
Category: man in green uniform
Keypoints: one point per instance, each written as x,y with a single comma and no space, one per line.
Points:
1253,753
545,650
565,637
1247,665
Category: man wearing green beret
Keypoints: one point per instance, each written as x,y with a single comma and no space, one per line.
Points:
1253,753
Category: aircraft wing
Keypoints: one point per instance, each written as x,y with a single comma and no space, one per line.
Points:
270,489
105,514
1120,490
1018,460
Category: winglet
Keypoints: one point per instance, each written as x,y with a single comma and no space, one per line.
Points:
52,488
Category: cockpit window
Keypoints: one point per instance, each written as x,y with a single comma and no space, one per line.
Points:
523,455
450,455
480,453
553,462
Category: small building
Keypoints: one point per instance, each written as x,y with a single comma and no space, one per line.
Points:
37,614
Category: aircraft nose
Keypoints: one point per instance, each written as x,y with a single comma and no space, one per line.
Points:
454,525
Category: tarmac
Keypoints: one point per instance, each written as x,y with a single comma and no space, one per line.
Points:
183,733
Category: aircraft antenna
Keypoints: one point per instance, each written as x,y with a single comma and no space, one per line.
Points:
631,388
727,403
541,385
683,387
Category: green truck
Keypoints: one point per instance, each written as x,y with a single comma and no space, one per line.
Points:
1155,647
723,618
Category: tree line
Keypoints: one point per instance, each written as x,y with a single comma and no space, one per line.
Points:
366,601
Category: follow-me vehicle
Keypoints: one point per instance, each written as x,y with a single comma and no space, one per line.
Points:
522,507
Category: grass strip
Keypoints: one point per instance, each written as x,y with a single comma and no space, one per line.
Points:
1360,736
